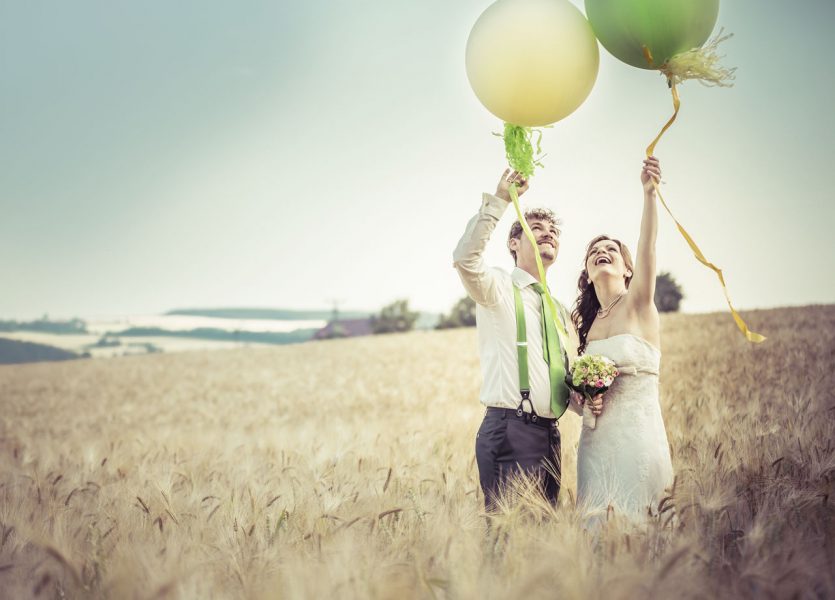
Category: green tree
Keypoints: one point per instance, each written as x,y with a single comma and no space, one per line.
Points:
668,293
461,315
395,317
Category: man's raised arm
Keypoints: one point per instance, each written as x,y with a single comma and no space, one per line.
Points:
468,257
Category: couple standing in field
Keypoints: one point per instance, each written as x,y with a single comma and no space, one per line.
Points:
623,462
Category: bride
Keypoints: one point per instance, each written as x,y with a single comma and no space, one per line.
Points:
623,463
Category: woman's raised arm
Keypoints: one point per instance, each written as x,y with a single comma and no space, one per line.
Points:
642,286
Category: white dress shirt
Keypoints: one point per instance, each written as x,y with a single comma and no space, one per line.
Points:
492,290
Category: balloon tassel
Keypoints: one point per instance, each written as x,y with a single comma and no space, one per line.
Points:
701,64
519,148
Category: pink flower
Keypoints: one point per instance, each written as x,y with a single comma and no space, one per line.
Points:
599,383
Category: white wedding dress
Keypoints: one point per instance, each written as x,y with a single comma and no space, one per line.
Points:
624,462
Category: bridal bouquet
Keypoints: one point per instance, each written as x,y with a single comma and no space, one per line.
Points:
592,374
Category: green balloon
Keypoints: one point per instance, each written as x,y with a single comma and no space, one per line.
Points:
665,27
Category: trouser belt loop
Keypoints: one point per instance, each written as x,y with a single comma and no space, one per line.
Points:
510,413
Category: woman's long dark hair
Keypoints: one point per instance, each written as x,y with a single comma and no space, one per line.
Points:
587,304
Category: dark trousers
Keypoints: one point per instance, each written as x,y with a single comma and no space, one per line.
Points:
508,444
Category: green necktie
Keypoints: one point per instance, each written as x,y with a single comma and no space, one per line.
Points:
553,355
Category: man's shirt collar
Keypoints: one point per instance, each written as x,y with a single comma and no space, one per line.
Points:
522,278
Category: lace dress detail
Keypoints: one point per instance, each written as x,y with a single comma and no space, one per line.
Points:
624,462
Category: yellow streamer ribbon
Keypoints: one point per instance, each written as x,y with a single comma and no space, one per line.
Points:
551,304
749,335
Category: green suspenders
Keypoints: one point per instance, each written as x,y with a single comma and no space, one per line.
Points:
522,353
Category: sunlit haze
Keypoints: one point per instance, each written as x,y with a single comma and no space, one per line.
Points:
163,155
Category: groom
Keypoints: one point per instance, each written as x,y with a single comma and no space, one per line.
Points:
523,390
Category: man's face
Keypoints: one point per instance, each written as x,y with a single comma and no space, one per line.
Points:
548,241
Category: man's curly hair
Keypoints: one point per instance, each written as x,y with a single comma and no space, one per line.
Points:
541,214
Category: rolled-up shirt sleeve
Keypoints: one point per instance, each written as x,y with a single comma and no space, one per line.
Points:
468,258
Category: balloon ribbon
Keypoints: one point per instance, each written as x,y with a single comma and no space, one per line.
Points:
749,335
551,304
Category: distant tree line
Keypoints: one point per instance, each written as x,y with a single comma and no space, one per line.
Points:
263,314
461,315
44,325
668,296
394,318
209,333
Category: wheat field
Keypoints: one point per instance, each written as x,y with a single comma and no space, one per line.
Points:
345,469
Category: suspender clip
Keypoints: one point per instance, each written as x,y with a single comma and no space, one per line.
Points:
526,397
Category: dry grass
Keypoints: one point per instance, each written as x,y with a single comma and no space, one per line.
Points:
345,469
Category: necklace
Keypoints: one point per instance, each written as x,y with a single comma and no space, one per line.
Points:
604,312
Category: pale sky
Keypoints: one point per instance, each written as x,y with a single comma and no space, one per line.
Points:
158,155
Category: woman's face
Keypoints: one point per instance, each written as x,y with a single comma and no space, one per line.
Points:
605,260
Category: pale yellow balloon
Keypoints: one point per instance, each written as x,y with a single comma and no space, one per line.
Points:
532,62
